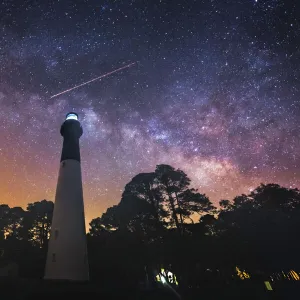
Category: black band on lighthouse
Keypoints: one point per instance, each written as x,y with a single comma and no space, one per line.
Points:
71,130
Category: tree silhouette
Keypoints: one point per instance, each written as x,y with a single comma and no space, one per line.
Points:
4,220
150,201
37,222
132,214
225,205
181,200
274,196
144,186
257,232
190,201
171,183
261,227
97,227
15,219
24,236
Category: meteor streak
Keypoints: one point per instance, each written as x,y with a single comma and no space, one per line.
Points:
102,76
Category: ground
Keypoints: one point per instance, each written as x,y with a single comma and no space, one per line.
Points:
23,289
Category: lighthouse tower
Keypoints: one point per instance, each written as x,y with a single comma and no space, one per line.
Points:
67,251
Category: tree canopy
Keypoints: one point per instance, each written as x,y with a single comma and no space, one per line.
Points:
162,221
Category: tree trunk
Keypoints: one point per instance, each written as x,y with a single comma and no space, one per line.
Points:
180,214
42,232
172,205
174,215
155,207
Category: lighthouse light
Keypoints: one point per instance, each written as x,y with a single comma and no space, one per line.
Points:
72,116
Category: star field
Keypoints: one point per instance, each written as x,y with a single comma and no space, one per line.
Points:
214,91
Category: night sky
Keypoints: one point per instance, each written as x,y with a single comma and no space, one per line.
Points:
214,92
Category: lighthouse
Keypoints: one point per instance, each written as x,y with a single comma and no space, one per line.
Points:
67,250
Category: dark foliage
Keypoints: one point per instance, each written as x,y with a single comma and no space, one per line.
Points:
156,225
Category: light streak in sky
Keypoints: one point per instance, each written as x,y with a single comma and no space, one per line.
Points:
97,78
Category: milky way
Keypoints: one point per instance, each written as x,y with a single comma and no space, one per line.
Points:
215,92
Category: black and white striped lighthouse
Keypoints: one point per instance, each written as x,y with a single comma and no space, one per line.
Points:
67,251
